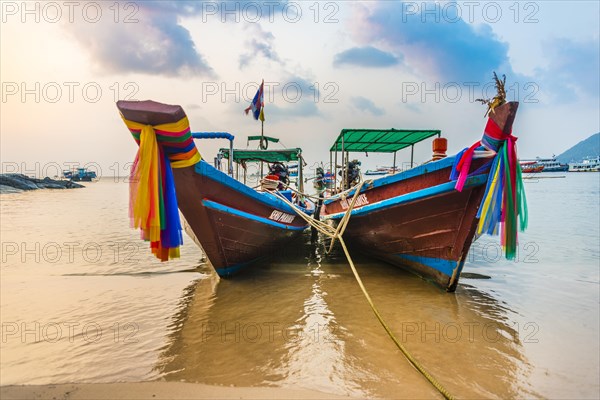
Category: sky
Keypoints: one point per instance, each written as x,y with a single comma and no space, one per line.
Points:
327,66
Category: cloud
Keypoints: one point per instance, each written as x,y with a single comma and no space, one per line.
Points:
301,109
299,95
149,38
153,42
573,68
414,107
445,48
261,44
307,88
364,104
367,56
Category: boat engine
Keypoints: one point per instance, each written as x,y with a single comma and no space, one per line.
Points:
319,182
281,172
353,174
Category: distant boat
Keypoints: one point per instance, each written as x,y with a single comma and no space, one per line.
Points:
529,167
79,175
324,181
590,164
549,164
382,171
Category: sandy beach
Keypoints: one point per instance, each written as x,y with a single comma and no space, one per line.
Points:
154,390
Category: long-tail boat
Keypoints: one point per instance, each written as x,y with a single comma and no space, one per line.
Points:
235,224
424,219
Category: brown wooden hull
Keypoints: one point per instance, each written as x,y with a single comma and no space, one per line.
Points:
416,219
420,224
235,225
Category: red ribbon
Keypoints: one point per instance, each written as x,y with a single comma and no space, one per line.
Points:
493,131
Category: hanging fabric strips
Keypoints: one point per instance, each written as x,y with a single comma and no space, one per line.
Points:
504,198
152,200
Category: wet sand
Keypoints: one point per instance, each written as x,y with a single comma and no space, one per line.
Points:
154,390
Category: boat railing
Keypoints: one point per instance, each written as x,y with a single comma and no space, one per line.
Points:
219,135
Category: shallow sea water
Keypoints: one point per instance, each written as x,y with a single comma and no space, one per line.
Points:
83,300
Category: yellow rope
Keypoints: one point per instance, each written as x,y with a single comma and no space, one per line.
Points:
337,234
404,351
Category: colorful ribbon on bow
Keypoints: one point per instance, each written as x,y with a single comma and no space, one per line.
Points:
504,199
152,198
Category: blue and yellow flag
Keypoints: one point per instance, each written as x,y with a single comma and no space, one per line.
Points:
258,104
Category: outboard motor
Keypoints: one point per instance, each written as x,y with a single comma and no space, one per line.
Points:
353,175
281,172
319,182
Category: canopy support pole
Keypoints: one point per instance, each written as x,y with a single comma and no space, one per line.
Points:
347,171
230,163
343,183
300,174
394,166
335,171
412,154
260,145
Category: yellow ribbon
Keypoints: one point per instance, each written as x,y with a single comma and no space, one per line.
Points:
146,175
487,202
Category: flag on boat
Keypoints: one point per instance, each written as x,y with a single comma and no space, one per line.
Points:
258,104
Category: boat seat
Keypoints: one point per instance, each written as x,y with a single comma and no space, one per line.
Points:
287,194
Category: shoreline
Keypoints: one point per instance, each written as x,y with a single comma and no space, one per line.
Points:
155,390
17,183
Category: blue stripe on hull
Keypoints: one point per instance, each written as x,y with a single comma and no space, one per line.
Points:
439,264
408,197
219,207
268,199
411,173
234,269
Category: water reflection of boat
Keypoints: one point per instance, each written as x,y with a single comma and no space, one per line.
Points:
232,342
322,335
235,224
200,297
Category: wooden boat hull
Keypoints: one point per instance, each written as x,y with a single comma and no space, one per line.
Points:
416,219
235,225
418,222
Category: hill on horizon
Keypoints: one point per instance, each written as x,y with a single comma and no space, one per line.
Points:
589,147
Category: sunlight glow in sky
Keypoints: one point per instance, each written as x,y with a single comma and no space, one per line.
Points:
327,65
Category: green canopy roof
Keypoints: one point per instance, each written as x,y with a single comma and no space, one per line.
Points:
380,140
283,155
